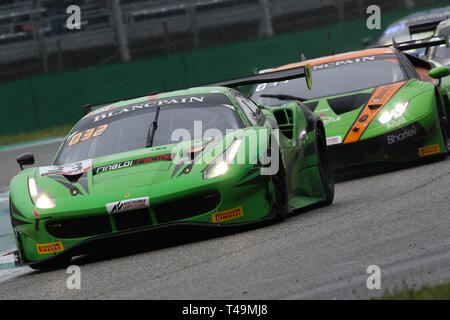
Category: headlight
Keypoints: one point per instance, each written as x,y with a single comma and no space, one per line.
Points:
398,111
222,163
40,198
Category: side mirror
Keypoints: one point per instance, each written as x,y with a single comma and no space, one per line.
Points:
439,72
25,159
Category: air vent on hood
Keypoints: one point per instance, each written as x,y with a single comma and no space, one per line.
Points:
349,103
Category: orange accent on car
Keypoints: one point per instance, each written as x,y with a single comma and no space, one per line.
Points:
338,57
379,98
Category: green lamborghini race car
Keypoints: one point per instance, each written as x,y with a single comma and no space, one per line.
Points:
197,158
379,106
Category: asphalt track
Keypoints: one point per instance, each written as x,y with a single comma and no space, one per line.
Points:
398,221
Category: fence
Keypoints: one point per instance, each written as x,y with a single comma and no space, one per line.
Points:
56,99
34,39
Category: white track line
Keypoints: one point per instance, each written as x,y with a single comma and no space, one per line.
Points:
30,144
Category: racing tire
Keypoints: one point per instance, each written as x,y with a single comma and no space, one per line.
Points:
323,162
281,203
442,123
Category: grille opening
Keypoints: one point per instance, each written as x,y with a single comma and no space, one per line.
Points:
79,227
187,208
132,219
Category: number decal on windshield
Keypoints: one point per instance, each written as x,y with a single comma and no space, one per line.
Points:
88,134
263,86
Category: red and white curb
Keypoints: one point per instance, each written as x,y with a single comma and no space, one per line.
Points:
7,268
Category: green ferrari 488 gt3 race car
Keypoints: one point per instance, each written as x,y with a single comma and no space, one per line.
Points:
379,106
196,158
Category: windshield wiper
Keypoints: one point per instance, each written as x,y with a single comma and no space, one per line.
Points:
283,97
152,129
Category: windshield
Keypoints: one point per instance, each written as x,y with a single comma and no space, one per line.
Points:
332,79
128,128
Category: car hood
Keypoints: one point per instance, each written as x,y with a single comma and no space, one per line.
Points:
161,170
126,171
354,116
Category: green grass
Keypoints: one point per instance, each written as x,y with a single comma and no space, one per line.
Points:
437,292
35,135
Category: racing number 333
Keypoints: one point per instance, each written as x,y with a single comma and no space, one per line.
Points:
88,134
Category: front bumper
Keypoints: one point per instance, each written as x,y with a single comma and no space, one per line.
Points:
150,237
395,147
68,235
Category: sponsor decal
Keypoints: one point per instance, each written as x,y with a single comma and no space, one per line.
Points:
227,215
70,169
150,104
429,150
36,213
127,195
334,140
88,134
50,247
130,163
396,122
343,62
402,135
327,120
128,205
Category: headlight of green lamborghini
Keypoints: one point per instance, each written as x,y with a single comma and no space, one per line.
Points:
398,111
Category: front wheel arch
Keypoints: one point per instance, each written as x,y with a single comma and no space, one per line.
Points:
323,163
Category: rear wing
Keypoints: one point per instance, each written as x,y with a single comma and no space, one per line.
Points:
282,75
266,77
425,27
88,108
416,44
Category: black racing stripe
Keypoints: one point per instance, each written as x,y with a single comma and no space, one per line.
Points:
250,172
74,190
16,211
17,222
256,180
84,183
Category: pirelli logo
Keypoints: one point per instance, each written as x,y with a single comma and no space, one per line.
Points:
227,215
50,247
429,150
